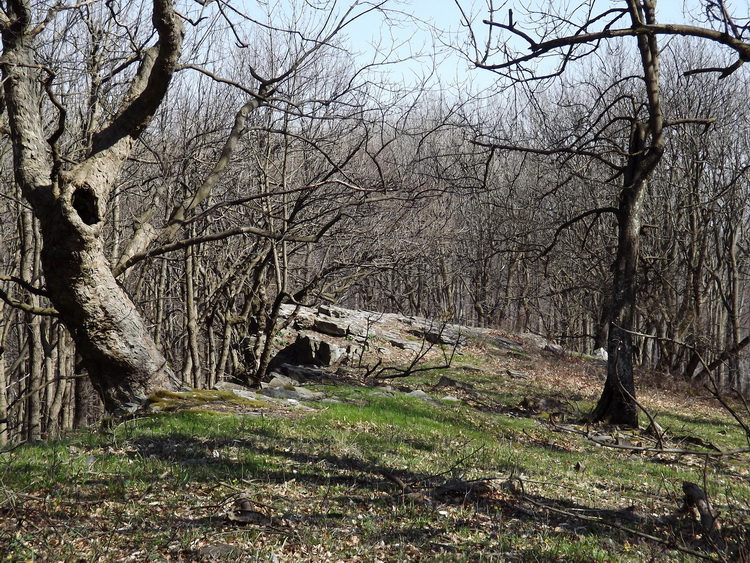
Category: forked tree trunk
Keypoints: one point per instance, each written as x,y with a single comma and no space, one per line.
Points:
121,358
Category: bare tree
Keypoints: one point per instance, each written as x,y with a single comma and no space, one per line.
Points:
84,81
555,42
69,195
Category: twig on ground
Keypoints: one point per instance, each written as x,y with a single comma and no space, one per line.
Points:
667,542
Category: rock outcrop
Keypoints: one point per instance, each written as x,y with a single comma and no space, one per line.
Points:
318,342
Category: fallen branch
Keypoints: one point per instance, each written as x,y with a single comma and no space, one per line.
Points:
696,499
667,542
677,451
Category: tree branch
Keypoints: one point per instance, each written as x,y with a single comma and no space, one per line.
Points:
45,311
150,85
235,231
648,29
599,211
24,284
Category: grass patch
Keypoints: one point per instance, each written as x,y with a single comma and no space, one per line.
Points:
393,478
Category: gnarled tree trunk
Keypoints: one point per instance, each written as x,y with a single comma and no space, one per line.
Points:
122,359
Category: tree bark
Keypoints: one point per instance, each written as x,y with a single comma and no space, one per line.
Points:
191,321
3,381
617,404
120,356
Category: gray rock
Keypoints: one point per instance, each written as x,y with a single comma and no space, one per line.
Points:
301,373
247,394
419,394
331,327
238,390
310,350
329,353
451,399
601,354
534,340
228,386
331,401
503,342
555,349
295,393
446,381
436,333
517,374
408,345
334,312
304,394
279,380
219,551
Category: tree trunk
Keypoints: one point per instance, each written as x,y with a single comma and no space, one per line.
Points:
121,358
617,403
191,321
34,370
69,200
56,403
3,383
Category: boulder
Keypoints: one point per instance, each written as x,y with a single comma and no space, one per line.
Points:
517,374
534,340
279,380
408,345
330,353
310,350
436,333
239,390
300,373
419,394
333,312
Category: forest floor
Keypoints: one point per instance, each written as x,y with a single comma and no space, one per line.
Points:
492,462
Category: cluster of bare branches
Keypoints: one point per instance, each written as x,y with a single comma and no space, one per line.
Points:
281,168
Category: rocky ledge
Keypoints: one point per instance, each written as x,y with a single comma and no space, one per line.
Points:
333,342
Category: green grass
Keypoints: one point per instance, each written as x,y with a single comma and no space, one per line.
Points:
159,488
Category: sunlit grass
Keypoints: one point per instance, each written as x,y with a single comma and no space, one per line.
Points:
159,487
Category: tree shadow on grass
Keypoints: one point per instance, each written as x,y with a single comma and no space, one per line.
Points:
366,487
333,485
278,463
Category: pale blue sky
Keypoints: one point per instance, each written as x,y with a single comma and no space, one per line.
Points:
413,38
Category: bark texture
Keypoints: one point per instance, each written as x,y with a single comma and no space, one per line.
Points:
122,359
617,404
70,201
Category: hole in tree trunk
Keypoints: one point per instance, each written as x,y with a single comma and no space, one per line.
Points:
85,203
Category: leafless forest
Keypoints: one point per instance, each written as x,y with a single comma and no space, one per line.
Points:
283,167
